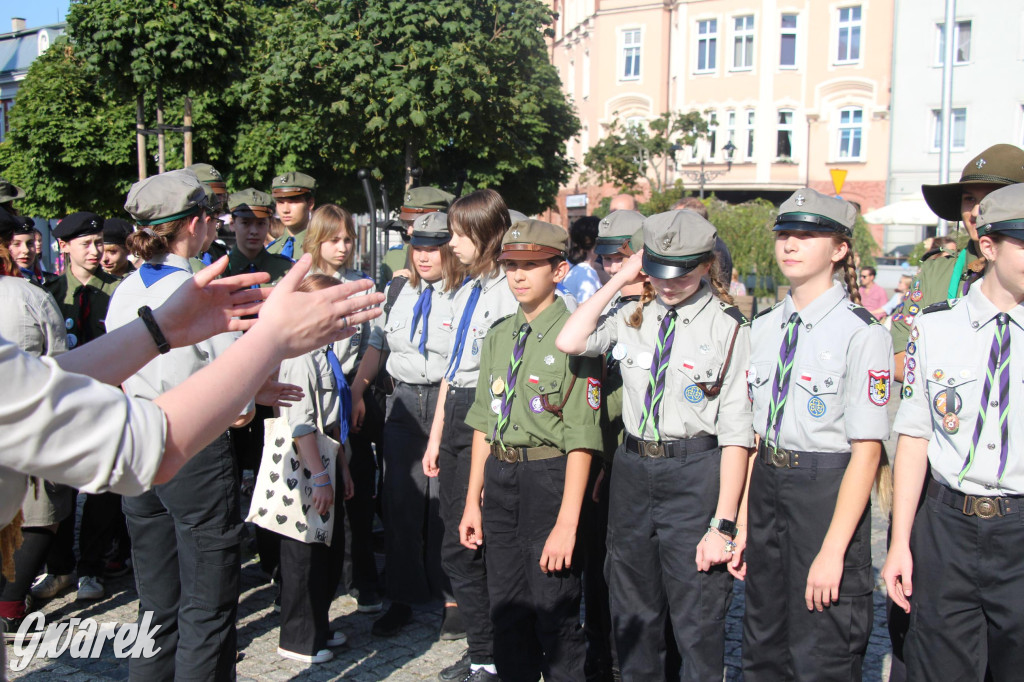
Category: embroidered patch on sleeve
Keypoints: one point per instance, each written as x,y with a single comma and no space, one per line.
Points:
594,393
878,387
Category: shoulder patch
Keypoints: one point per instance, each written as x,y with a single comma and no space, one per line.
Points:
862,312
767,310
734,312
940,306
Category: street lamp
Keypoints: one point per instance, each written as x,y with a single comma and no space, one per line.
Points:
704,176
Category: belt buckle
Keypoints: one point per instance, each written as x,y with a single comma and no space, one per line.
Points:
982,507
653,448
511,455
779,457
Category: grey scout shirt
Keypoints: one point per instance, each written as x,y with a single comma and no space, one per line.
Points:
405,362
703,332
318,407
30,318
841,378
949,349
496,302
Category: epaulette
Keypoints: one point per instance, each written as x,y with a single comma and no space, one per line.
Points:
734,312
862,312
500,320
941,305
767,310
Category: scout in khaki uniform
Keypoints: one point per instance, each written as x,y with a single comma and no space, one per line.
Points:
678,475
418,201
217,195
536,418
250,219
819,376
115,260
955,560
293,201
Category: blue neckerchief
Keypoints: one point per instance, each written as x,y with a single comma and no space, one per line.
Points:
151,273
421,310
288,250
29,275
252,269
206,258
344,393
460,334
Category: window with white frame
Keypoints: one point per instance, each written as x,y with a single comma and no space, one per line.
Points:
787,46
730,127
784,136
851,132
958,122
631,54
849,34
751,119
713,135
743,42
707,44
961,43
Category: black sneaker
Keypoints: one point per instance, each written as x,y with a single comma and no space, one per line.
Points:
391,623
369,601
452,627
11,627
456,671
481,675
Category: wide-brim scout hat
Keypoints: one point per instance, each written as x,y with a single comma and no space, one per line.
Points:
213,181
292,184
615,229
1002,212
251,203
676,242
811,211
116,231
80,224
1001,164
169,196
534,240
420,200
10,192
431,229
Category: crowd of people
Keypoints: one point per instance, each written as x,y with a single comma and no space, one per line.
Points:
540,418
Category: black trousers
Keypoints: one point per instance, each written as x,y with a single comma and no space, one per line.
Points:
659,509
968,589
363,505
412,506
536,615
310,573
465,568
789,512
102,523
187,556
597,623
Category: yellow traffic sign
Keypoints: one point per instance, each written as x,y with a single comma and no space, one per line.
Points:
838,178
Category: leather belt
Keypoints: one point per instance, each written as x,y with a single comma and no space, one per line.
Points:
670,448
513,455
781,458
973,505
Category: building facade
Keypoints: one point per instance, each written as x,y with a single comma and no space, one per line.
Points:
18,49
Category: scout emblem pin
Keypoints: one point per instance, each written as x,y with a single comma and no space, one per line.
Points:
800,201
498,386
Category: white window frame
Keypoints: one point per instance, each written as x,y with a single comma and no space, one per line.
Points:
712,135
743,39
781,127
936,129
707,45
631,53
851,27
751,125
940,40
785,31
858,134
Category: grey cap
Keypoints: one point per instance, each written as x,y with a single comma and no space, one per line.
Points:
516,216
811,211
615,229
162,198
675,242
431,229
1002,212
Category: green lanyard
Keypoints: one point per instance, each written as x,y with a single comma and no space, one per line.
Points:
958,273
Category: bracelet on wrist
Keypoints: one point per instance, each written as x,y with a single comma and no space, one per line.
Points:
321,474
146,314
322,485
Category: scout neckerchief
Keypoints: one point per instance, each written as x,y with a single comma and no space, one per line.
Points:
510,384
151,273
84,308
460,333
421,311
998,374
780,386
288,250
659,368
344,393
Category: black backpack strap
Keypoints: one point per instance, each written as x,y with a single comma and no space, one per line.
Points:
393,291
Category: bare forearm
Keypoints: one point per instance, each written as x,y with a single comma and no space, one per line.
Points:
112,357
367,372
481,451
437,425
898,365
732,481
854,492
309,452
910,470
577,472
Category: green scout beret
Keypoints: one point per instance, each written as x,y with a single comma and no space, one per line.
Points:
431,229
1001,164
1002,212
420,200
292,184
615,229
251,203
78,225
9,192
811,211
162,198
534,239
116,231
675,242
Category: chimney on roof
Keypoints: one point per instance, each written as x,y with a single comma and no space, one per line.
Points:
17,24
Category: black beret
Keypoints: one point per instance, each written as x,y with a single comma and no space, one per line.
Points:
77,225
8,224
116,231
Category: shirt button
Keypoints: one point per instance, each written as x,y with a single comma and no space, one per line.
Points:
991,446
422,374
974,324
515,427
808,326
686,321
994,403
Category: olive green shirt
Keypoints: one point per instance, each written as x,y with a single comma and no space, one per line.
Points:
547,372
395,258
276,265
70,294
278,244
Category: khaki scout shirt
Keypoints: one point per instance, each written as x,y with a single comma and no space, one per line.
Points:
391,335
65,290
545,372
297,250
496,302
276,265
949,349
704,330
930,285
395,258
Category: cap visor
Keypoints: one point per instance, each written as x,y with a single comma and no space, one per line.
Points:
801,226
284,192
1015,233
608,245
424,240
664,270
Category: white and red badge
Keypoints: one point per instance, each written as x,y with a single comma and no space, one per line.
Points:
878,386
594,393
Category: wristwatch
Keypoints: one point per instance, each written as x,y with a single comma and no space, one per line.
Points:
723,526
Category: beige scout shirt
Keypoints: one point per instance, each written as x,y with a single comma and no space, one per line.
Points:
496,302
405,362
318,407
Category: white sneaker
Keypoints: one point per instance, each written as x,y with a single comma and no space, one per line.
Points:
321,656
337,638
90,588
50,585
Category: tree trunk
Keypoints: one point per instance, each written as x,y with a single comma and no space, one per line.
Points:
140,135
187,124
161,164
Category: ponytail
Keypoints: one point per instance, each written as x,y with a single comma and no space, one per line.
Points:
715,280
849,271
150,242
636,318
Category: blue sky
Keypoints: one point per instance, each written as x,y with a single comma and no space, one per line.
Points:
35,12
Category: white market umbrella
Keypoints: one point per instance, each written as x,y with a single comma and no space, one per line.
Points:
912,210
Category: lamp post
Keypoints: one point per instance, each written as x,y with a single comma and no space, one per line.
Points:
704,176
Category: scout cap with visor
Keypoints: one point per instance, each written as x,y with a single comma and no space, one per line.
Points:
676,242
811,211
615,229
534,240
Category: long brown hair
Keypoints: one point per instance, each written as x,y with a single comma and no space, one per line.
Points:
8,267
483,217
452,271
849,269
636,318
153,241
325,223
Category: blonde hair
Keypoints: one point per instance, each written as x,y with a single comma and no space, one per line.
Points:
326,222
849,268
155,240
